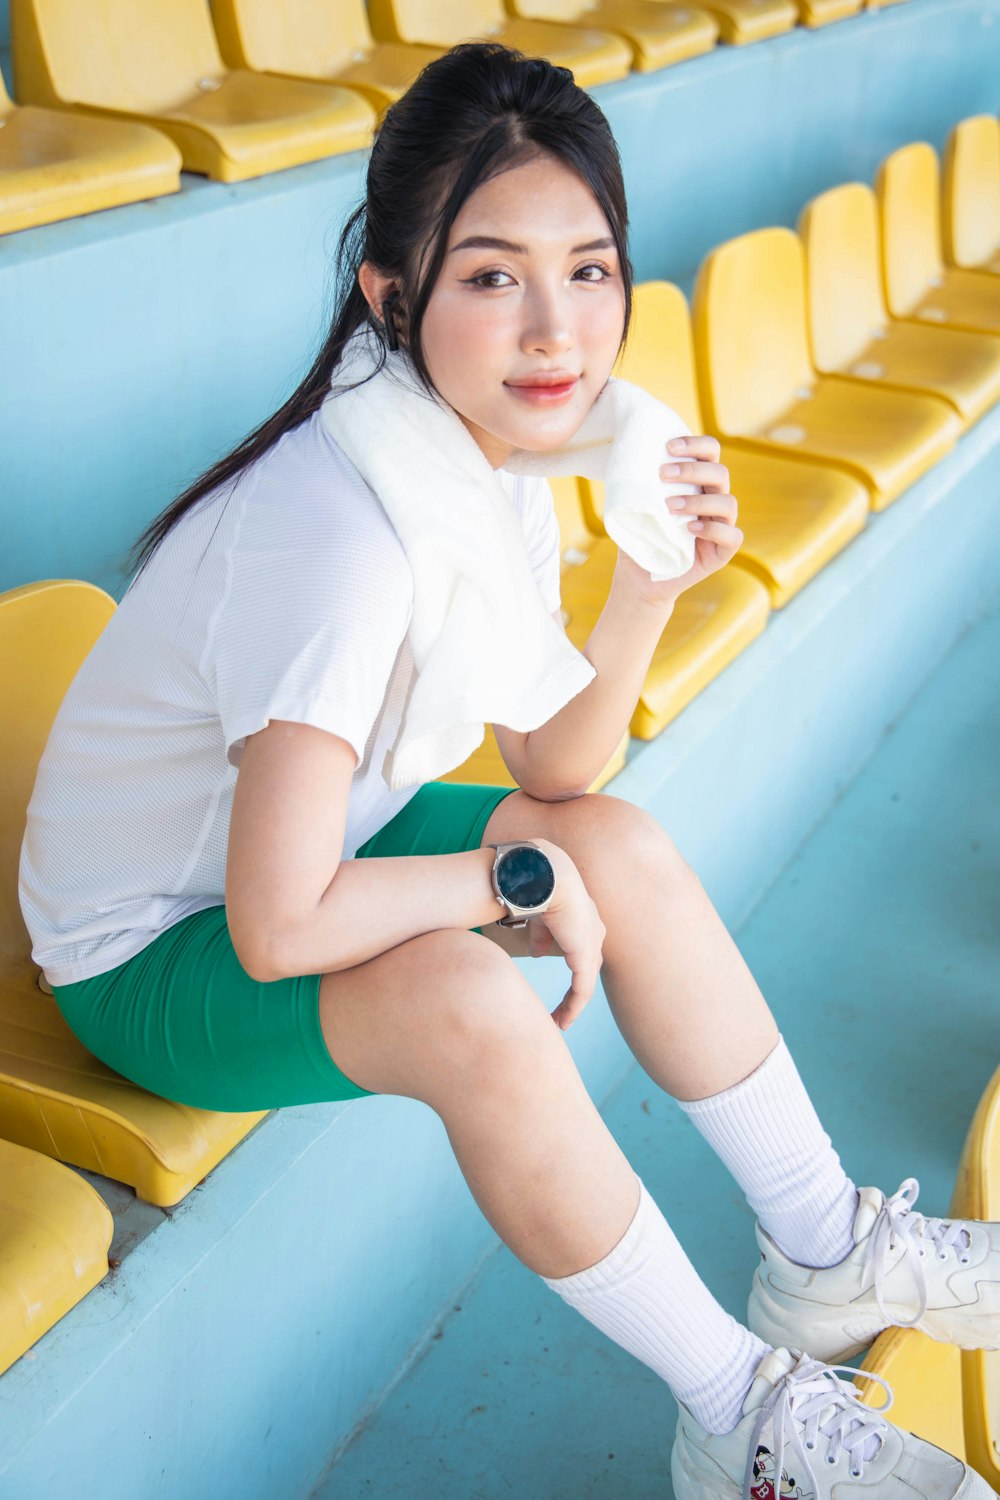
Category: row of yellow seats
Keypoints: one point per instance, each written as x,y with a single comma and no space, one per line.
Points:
797,510
877,358
946,1395
115,97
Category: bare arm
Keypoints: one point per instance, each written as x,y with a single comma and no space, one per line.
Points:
565,755
293,905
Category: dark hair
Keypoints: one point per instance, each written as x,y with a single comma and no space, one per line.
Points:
471,114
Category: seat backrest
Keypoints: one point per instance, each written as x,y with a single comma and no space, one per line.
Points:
552,10
972,191
843,273
749,315
659,354
444,21
925,1378
297,36
575,538
977,1196
909,200
142,56
46,630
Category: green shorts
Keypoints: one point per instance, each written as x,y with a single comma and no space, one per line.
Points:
183,1019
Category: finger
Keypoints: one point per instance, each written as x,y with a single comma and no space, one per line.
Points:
705,507
717,532
709,476
696,445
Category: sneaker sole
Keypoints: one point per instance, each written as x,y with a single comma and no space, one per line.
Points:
833,1343
690,1483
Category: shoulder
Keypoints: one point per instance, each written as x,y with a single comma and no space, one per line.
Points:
309,501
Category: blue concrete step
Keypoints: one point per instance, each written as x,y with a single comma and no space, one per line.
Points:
877,949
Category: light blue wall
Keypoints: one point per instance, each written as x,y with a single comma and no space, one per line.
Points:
139,344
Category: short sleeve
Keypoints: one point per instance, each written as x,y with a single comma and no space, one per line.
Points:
534,500
316,608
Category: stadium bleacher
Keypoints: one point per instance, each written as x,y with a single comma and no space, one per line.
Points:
880,318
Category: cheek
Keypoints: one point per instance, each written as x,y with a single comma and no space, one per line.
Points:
464,345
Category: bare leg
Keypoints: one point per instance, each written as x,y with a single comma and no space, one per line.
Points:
447,1019
679,989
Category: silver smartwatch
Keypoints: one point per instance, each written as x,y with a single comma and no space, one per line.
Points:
523,881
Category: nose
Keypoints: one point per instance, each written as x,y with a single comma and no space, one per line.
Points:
547,327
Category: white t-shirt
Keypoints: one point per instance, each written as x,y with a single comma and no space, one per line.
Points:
290,601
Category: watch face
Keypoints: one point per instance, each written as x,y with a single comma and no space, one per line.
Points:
525,876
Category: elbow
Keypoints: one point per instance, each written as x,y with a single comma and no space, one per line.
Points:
261,954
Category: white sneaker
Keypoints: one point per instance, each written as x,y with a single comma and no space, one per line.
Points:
804,1435
905,1271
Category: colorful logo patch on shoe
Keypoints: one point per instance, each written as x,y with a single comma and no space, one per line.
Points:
764,1487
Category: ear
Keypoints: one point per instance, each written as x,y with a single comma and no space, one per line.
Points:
375,288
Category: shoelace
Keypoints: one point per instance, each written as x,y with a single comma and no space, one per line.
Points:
812,1391
897,1221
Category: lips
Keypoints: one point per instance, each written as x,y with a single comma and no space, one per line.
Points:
545,380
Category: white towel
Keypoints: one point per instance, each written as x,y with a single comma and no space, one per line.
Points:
485,649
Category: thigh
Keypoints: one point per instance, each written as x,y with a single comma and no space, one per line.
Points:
184,1020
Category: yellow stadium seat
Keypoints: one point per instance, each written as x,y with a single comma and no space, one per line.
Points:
917,283
882,4
926,1382
55,1232
822,12
977,1196
330,42
159,64
658,33
711,623
54,1095
758,384
794,516
850,331
56,165
742,21
972,195
593,56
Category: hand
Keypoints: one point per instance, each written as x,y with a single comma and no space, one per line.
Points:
571,926
696,461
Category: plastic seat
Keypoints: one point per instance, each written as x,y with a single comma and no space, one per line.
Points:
850,331
917,282
658,33
794,516
926,1382
822,12
742,21
592,56
159,63
758,384
54,165
977,1196
710,626
329,42
55,1232
972,195
55,1097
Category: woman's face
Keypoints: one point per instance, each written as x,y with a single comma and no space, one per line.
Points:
524,323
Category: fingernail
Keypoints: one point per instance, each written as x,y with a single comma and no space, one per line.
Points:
677,445
676,502
672,469
697,525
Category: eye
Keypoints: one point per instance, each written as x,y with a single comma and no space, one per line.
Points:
602,272
489,280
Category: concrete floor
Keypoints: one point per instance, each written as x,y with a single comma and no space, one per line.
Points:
878,952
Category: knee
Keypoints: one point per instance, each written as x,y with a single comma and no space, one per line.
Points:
483,1009
619,847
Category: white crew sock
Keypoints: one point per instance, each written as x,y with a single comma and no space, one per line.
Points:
647,1296
769,1135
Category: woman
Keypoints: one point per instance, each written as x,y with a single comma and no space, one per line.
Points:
237,911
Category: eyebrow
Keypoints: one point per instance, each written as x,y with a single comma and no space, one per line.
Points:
488,242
